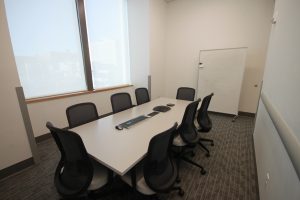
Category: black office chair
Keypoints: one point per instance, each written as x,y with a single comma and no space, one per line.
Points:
204,121
77,175
142,96
81,113
185,93
187,136
159,171
120,101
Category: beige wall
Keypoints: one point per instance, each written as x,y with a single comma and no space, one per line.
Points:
14,145
193,25
157,46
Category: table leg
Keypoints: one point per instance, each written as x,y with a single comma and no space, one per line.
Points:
133,182
133,178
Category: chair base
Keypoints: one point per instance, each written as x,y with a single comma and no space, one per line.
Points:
194,163
182,156
204,147
207,140
155,197
137,195
180,190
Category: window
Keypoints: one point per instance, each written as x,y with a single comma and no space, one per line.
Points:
46,42
47,45
107,34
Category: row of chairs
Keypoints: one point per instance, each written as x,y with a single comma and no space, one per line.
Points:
203,119
77,174
188,137
122,101
83,113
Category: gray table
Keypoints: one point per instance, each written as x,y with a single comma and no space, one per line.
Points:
121,150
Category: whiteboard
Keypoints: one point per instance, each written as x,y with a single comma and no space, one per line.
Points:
222,72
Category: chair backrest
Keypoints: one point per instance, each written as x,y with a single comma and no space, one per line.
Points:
81,113
187,129
185,93
159,168
142,96
74,172
120,101
202,118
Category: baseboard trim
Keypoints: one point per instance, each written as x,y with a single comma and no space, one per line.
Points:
240,113
219,113
42,138
16,168
255,165
247,114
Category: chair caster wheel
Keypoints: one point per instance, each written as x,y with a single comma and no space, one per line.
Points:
203,172
207,155
181,192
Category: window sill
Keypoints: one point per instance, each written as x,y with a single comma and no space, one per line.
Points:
66,95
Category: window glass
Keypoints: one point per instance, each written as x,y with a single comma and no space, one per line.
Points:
108,41
47,48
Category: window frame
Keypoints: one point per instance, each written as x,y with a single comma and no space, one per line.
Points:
72,94
80,5
84,44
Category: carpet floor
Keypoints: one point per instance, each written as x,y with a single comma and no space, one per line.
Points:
231,172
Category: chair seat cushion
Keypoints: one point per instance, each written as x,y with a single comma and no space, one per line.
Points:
178,141
161,178
100,176
141,184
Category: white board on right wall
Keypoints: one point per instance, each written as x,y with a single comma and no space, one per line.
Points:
221,71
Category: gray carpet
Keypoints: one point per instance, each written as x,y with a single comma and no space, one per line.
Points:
231,172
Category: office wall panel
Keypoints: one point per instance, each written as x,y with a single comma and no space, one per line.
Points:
158,11
14,145
277,176
277,150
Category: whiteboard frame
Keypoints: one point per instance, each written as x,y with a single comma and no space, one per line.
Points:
217,49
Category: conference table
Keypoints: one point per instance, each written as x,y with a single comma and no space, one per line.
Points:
121,150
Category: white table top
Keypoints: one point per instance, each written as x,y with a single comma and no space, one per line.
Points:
120,150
